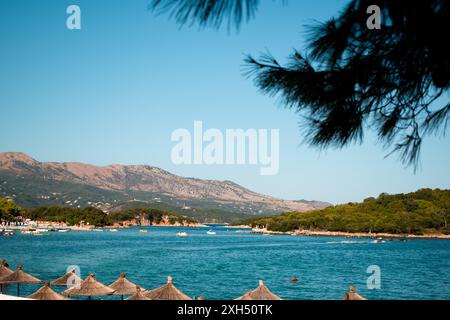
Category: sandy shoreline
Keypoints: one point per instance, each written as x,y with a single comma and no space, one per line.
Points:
91,228
320,233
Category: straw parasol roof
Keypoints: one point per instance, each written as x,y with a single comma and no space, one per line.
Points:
167,292
260,293
18,277
123,286
4,270
4,263
138,295
69,279
46,293
89,288
352,295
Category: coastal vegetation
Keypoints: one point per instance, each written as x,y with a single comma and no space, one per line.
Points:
150,216
70,216
199,213
10,212
421,212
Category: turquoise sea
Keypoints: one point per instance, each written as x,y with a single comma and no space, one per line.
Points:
226,265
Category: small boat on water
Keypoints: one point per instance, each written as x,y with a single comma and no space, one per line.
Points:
8,233
113,230
182,234
211,233
97,230
63,230
143,231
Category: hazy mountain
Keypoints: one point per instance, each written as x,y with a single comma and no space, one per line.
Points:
35,183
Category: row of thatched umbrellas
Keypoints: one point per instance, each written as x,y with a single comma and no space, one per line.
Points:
90,287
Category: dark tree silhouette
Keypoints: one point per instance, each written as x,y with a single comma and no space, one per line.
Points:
353,78
208,13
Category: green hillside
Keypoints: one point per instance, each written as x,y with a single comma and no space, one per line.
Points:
420,212
204,215
35,192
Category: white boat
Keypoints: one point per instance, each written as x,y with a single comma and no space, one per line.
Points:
211,233
113,230
182,234
63,230
30,231
97,230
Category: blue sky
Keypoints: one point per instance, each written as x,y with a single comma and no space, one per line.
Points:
114,91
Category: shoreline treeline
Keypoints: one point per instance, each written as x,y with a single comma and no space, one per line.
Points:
422,212
10,212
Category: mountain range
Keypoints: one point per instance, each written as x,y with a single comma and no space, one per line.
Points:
32,183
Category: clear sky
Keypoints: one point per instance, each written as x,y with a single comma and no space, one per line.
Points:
114,91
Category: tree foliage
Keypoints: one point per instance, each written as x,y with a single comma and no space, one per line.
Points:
419,212
351,78
154,216
208,13
71,216
9,212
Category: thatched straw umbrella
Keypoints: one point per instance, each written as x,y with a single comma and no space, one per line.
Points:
19,277
260,293
68,280
352,295
89,288
5,264
46,293
167,292
4,272
123,286
138,295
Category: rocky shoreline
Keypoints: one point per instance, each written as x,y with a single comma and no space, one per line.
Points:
321,233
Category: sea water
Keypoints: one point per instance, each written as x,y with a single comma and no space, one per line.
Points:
226,265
